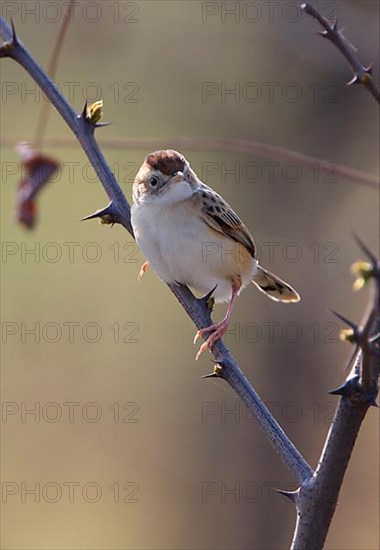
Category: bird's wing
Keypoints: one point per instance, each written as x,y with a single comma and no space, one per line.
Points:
218,215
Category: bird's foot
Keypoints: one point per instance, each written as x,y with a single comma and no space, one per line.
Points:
217,331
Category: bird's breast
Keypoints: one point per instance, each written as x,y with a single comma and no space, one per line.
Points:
182,248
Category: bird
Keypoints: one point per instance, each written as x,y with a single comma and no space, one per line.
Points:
190,235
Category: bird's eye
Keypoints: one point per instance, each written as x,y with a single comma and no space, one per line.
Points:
153,181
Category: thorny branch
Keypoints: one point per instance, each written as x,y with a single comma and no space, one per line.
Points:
316,499
118,211
317,495
362,75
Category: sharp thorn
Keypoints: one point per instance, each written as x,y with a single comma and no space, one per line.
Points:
218,370
107,214
354,80
97,214
208,295
14,34
374,338
291,495
341,390
7,46
208,299
101,124
348,387
345,320
365,249
211,375
84,111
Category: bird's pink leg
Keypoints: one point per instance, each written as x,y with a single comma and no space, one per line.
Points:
143,269
218,329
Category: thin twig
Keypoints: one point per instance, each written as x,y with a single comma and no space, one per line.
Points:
334,172
196,309
362,74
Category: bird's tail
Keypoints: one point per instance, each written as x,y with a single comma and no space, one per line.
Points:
274,287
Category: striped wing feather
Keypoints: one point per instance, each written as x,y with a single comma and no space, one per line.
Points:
218,214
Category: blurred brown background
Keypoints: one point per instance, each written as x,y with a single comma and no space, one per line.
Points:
119,400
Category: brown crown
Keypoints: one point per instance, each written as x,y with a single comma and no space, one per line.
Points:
167,161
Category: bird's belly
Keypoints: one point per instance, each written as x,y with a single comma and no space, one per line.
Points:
181,248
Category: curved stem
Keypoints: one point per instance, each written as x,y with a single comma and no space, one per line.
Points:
265,150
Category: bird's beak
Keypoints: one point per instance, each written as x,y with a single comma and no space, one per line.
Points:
177,177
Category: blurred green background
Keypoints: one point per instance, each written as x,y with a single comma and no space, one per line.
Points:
119,400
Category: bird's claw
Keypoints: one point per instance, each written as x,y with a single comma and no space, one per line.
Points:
217,332
197,335
143,269
203,348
